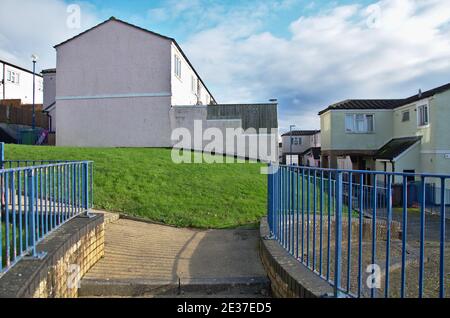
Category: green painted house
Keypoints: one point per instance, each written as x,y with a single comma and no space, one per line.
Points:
401,135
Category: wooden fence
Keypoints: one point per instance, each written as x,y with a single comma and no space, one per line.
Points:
22,115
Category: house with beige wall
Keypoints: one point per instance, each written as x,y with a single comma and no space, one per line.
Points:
401,135
119,85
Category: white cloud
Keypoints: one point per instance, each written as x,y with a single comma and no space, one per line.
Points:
30,26
333,54
329,56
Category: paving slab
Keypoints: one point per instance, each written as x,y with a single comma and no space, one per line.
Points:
144,258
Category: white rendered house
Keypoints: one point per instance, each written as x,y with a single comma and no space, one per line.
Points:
17,83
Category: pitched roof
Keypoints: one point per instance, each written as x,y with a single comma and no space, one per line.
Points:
426,94
148,31
19,68
109,20
396,147
384,103
301,133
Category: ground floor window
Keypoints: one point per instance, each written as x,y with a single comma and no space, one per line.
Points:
292,160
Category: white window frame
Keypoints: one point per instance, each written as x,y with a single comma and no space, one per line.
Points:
177,66
421,121
354,128
296,141
13,77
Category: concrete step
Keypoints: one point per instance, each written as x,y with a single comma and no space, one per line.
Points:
247,287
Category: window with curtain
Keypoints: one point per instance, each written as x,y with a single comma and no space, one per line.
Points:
359,123
423,116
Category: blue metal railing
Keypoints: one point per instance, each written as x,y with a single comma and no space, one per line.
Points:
344,226
37,197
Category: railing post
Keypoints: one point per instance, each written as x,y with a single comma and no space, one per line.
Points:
85,189
338,246
442,243
270,199
2,154
32,213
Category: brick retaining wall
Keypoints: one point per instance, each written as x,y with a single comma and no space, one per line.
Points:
289,278
77,245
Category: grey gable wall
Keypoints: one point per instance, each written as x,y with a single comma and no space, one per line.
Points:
113,88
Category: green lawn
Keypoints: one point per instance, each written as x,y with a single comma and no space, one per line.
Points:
146,183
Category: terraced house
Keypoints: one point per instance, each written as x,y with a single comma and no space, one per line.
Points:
17,83
119,85
401,135
301,147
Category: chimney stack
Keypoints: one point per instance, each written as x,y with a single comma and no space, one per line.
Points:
420,93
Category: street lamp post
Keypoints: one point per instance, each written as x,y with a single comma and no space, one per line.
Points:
290,133
34,58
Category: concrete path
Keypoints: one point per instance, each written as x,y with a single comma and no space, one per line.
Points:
147,259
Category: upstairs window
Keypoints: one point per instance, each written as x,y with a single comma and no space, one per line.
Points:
297,141
177,66
359,123
405,116
423,115
13,77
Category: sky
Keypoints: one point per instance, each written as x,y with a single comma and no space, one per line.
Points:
308,54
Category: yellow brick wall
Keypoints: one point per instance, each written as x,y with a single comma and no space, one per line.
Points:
83,252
